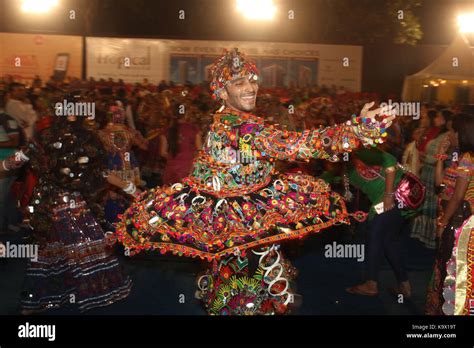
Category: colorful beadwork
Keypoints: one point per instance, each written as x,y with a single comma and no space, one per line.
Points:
234,199
229,289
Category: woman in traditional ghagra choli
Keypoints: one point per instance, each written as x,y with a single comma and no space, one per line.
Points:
445,180
424,225
75,263
458,288
234,207
458,293
118,140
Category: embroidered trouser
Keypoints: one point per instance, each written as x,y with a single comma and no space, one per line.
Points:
256,284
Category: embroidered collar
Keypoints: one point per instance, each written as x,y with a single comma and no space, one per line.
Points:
228,115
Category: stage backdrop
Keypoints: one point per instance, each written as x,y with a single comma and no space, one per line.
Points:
27,55
280,64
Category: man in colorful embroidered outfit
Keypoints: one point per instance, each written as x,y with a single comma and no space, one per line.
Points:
234,207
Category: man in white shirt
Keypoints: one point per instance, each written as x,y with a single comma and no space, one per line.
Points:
20,110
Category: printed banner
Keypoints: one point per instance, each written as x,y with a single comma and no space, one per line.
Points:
181,61
280,64
131,60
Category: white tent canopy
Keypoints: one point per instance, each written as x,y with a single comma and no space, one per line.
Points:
455,64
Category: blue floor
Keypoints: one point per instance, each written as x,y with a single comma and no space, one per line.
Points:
166,286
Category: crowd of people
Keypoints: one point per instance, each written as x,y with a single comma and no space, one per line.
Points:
149,135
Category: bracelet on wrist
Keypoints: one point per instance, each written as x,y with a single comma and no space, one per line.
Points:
130,189
22,156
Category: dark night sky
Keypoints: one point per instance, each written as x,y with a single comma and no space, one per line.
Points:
215,20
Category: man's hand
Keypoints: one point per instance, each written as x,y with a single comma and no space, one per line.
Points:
365,112
115,180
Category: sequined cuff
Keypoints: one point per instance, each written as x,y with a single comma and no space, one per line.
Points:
323,143
368,131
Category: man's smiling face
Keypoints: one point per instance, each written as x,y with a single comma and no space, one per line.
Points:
240,94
